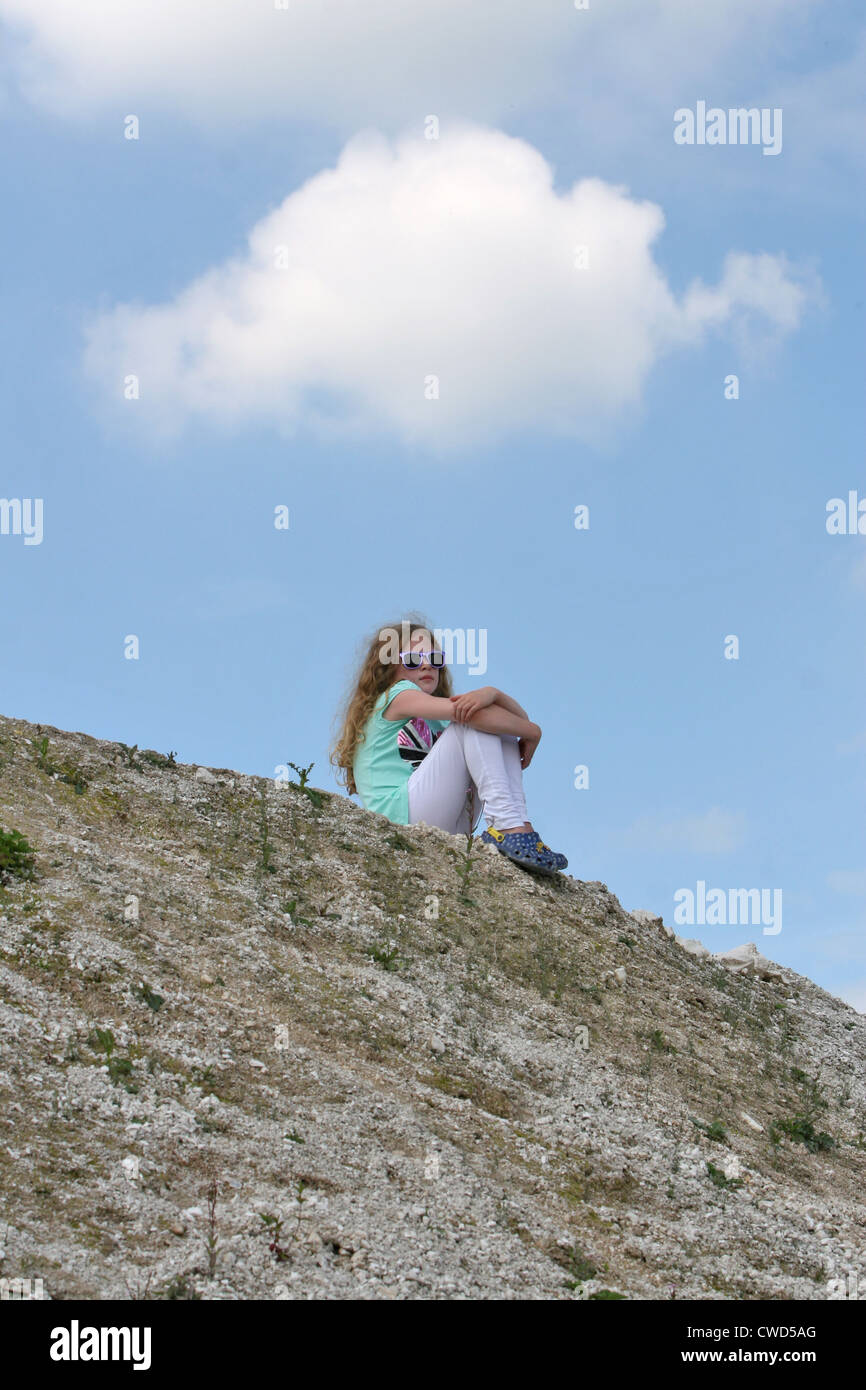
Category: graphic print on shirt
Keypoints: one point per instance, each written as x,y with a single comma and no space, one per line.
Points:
415,740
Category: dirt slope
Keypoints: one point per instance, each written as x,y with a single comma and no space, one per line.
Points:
415,1057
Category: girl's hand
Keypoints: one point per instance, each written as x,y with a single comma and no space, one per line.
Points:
527,746
467,705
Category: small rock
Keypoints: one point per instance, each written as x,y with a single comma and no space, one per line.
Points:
131,1166
203,774
693,946
177,1229
619,974
647,919
747,959
749,1121
436,1044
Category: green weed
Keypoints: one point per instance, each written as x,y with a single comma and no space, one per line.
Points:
17,857
802,1131
161,760
316,797
715,1131
386,956
149,997
722,1180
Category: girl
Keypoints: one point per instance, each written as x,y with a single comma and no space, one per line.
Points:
414,751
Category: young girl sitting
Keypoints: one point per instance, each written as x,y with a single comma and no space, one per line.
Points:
414,751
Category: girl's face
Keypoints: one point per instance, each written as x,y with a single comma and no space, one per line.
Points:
425,676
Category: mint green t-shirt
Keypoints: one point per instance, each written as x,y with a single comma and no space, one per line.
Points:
388,754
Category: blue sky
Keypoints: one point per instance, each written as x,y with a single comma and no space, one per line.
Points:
407,256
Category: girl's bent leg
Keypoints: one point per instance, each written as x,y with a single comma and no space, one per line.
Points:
439,785
464,758
514,772
493,761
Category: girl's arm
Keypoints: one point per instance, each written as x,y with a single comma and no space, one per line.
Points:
507,703
485,696
493,719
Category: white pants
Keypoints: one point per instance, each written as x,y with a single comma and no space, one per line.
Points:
464,759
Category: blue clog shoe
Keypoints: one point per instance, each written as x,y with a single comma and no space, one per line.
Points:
524,848
559,859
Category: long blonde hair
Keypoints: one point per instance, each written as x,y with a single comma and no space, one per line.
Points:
375,675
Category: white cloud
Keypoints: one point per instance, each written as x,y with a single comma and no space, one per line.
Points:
715,831
606,80
380,61
452,258
335,62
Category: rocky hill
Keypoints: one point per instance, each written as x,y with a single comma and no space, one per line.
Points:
259,1043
